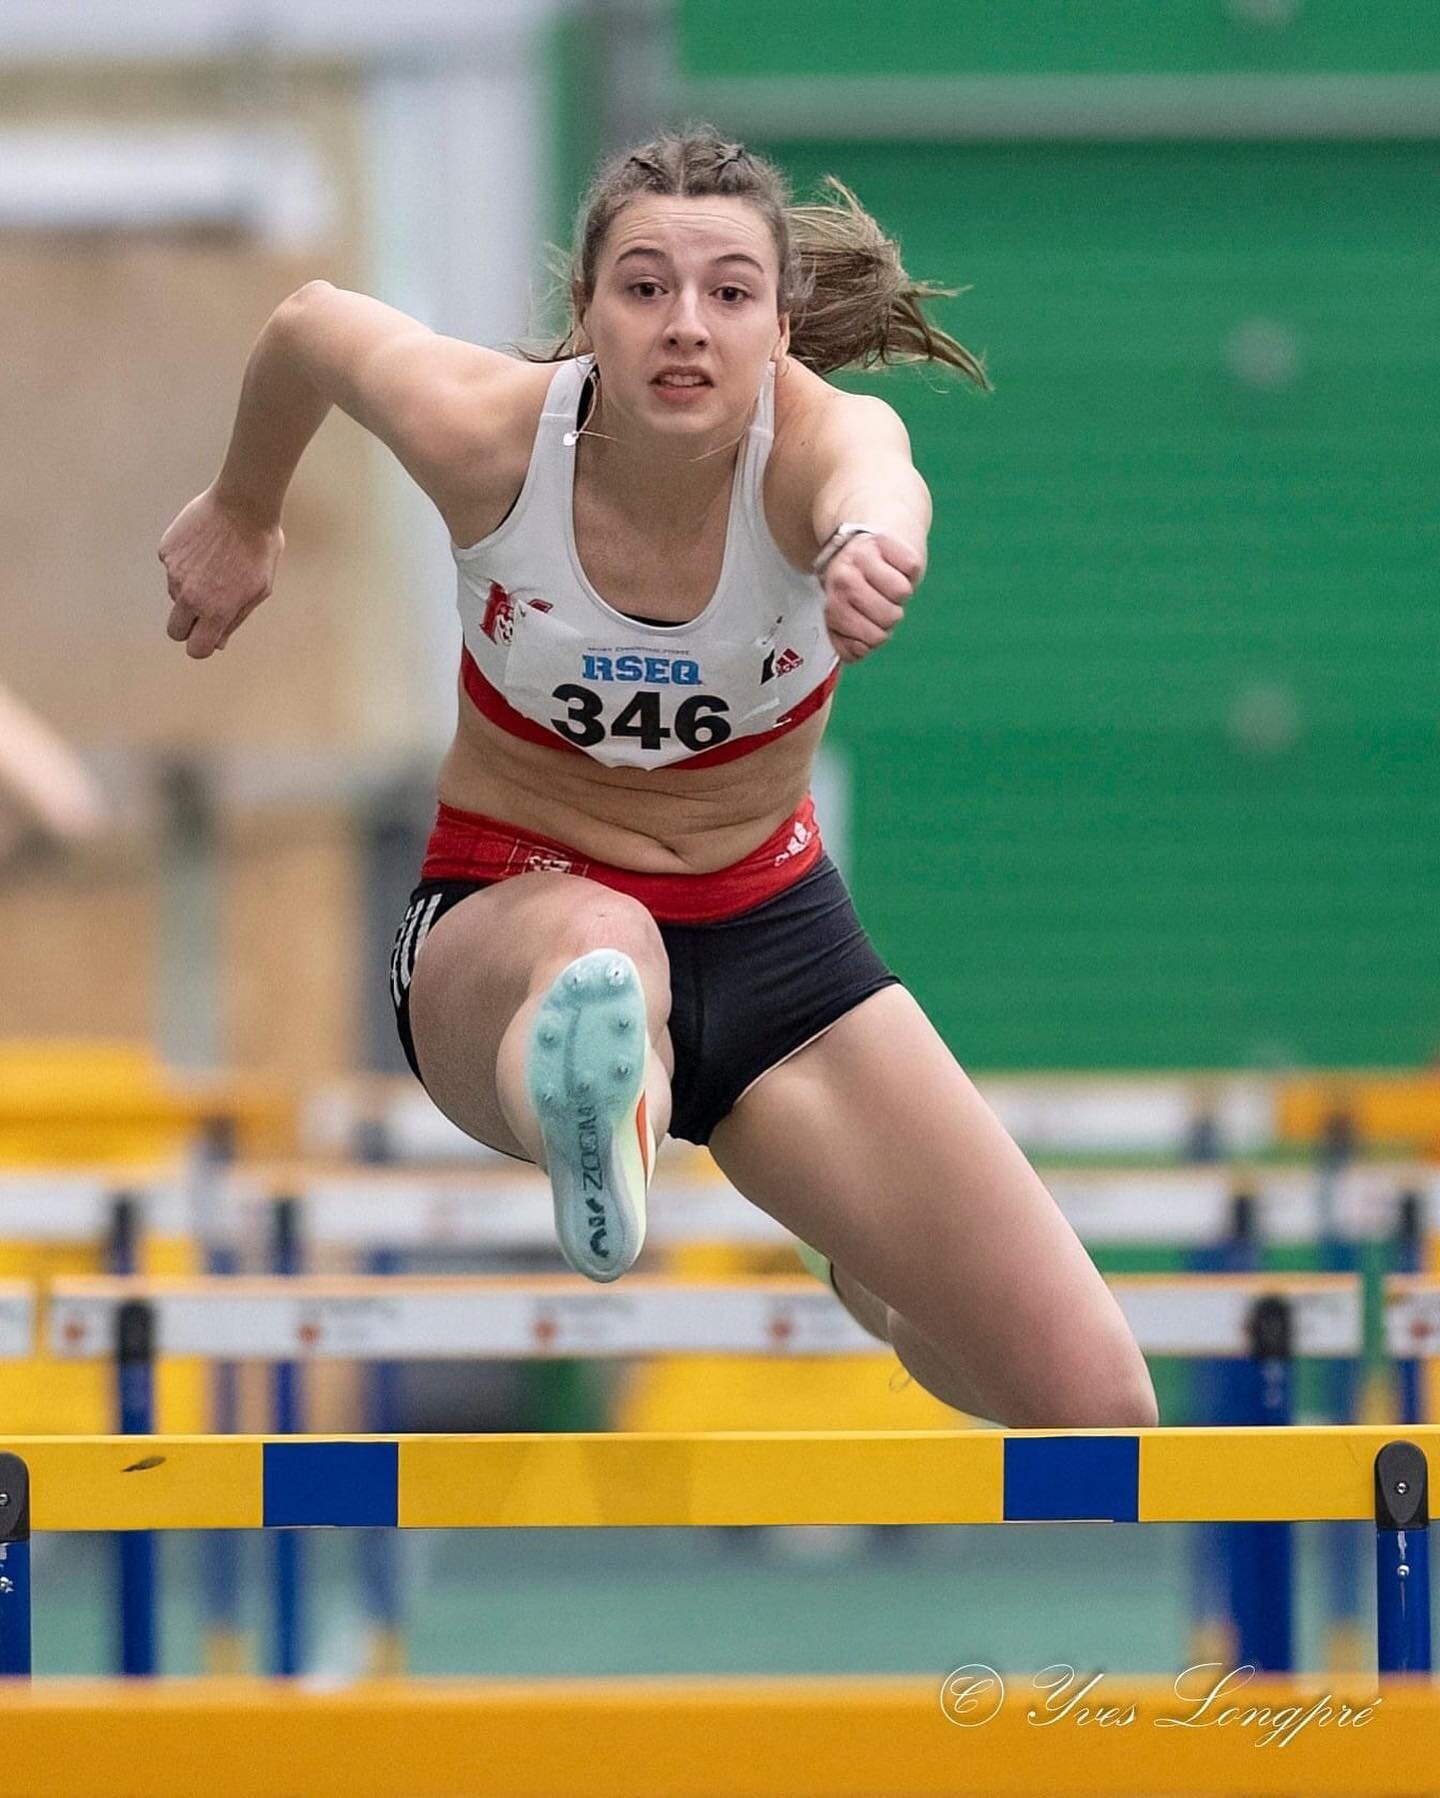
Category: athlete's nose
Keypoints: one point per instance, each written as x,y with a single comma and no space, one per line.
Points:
685,324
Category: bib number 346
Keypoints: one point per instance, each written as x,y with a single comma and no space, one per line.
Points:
699,722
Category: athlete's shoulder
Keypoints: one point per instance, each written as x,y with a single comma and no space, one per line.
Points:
489,434
817,425
500,402
801,396
812,415
469,402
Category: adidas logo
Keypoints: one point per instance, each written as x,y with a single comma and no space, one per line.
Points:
785,663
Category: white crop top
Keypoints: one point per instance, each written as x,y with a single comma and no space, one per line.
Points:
548,659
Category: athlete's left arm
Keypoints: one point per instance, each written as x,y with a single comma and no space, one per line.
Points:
863,474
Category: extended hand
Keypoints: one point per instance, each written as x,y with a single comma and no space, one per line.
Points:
219,565
866,585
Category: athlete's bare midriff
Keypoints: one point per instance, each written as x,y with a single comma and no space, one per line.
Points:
663,820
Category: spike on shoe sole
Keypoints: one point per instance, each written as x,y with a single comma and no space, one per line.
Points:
591,1110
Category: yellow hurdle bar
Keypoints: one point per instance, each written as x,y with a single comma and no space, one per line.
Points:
722,1738
726,1477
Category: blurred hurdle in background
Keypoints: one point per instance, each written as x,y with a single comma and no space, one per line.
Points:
109,1160
17,1320
200,1209
1261,1323
347,1208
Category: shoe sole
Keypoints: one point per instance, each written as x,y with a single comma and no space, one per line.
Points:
586,1073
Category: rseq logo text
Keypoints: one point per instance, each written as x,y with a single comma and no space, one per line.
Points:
654,671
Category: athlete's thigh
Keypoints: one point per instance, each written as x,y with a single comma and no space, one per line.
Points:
873,1144
487,955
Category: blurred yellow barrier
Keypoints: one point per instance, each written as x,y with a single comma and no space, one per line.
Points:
65,1103
1399,1110
45,1395
724,1738
759,1392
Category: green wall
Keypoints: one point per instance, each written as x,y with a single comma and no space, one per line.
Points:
1151,774
986,37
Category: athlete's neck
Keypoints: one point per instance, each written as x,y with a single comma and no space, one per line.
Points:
663,483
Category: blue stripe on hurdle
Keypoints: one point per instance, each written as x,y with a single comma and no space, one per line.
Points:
1072,1478
352,1485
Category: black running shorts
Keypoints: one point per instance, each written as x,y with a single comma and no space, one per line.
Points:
746,991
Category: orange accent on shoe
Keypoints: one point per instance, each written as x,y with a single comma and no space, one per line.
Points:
642,1130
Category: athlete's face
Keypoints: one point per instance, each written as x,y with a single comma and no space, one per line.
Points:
685,284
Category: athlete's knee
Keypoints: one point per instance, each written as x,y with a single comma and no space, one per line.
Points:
603,919
1130,1397
1114,1392
1102,1384
870,1312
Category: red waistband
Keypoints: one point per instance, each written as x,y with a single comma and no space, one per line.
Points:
491,703
469,846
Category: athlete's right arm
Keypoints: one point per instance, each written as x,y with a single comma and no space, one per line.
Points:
423,395
418,392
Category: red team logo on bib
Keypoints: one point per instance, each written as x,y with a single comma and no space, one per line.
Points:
498,623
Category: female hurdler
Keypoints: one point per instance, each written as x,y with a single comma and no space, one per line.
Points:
669,533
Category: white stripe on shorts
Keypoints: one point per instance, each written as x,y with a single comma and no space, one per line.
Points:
409,941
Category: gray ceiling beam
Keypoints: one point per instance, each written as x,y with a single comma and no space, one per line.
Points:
959,109
41,31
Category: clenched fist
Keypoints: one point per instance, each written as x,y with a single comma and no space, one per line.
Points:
219,564
867,582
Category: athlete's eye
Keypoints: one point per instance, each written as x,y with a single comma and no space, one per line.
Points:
635,286
743,293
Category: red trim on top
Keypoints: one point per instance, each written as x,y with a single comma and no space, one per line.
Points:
470,846
491,703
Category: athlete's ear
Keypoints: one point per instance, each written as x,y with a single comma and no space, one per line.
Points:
579,308
782,347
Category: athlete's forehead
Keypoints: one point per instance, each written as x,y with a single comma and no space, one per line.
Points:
685,230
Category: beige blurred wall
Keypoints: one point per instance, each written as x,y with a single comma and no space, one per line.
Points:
124,357
77,945
122,366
